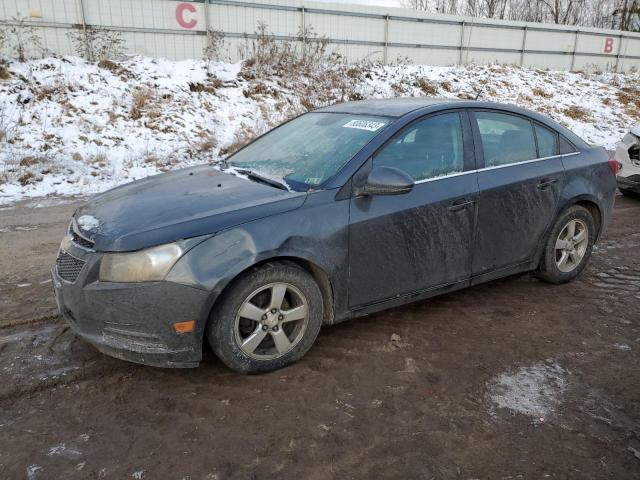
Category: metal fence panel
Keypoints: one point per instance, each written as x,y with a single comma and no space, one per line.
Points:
177,30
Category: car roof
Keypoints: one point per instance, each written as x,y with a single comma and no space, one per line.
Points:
387,107
399,107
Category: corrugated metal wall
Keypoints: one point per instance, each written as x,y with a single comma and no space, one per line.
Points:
176,30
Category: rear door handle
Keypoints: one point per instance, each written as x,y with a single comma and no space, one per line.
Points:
547,182
460,205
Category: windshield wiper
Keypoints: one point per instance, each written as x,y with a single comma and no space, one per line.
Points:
256,177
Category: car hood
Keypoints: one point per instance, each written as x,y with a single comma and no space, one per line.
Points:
181,204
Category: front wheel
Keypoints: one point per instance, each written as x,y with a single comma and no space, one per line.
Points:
269,318
569,246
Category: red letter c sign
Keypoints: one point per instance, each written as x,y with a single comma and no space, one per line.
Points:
180,15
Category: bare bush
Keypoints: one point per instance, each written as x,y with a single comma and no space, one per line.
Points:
23,38
264,54
97,44
215,43
304,65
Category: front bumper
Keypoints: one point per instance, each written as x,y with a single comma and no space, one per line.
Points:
632,183
132,321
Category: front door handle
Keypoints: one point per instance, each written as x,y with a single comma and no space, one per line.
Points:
461,204
546,182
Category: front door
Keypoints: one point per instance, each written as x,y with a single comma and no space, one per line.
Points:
519,189
409,243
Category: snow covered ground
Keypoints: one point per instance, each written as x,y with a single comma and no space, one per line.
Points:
68,127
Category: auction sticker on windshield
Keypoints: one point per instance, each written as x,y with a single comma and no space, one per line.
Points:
364,125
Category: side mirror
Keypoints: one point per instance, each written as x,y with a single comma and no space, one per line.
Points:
386,181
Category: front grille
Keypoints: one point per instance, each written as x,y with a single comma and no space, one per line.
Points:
69,267
83,242
78,240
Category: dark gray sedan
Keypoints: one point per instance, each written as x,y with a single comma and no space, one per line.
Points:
339,213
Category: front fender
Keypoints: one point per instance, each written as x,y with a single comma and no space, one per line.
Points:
317,233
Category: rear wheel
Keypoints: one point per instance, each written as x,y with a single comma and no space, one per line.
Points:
569,246
268,319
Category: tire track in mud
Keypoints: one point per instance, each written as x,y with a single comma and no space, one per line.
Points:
43,353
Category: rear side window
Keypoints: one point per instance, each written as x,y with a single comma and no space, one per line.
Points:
505,138
547,142
566,147
428,148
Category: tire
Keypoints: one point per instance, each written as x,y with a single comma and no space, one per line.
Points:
245,334
551,268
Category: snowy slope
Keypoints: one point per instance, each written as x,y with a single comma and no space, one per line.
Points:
72,128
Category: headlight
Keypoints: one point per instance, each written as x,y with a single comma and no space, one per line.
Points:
150,265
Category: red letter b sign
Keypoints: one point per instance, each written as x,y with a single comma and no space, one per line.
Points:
608,45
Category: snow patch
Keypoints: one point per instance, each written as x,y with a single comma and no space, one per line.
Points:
534,391
63,451
32,471
88,222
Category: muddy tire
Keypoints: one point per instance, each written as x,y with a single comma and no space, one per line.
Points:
267,319
568,247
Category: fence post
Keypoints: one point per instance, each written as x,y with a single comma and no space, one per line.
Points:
573,53
303,32
385,57
461,43
524,44
615,67
87,50
207,22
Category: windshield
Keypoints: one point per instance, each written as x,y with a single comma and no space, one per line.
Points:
310,149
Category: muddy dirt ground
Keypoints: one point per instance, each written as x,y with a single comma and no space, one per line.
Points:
512,379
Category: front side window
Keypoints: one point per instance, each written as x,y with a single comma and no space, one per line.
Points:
505,138
547,142
429,148
309,149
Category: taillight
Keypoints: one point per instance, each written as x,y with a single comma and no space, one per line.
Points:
614,166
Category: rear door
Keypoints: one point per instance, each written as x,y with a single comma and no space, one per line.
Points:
520,179
413,242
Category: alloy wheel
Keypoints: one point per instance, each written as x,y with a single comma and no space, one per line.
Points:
571,245
271,321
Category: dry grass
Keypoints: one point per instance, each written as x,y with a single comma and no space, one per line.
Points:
243,137
260,88
207,143
31,160
539,92
26,178
141,99
4,70
630,99
576,113
427,87
212,84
